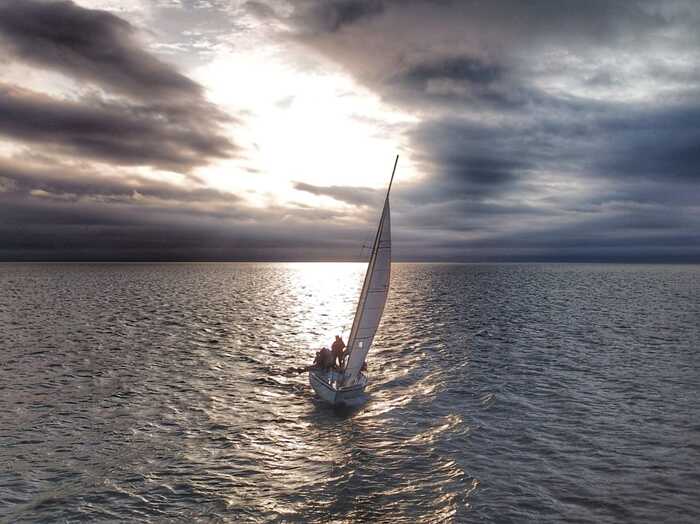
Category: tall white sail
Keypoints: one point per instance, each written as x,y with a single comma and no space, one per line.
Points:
372,299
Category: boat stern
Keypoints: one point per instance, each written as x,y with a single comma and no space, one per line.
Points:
325,385
322,383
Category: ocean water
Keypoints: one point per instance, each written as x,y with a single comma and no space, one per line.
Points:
498,393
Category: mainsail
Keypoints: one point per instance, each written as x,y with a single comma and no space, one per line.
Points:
372,298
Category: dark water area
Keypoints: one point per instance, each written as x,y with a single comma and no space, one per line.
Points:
498,393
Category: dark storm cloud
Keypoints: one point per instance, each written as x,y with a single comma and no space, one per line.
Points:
358,196
657,143
332,15
463,68
453,80
123,134
601,19
475,164
468,159
88,44
162,118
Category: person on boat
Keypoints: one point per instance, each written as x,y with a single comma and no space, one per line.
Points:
337,349
324,359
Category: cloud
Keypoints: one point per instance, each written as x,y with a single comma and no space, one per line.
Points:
540,125
55,211
656,143
91,45
38,227
470,159
123,134
357,196
160,118
542,130
459,79
333,15
260,10
51,179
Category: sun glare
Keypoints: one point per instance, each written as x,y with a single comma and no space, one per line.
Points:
301,125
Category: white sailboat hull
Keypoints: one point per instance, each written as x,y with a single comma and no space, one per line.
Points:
325,385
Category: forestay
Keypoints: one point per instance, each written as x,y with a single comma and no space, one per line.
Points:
372,299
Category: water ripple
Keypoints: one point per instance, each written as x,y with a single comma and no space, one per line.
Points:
508,393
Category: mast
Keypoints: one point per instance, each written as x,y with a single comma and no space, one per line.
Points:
391,181
384,221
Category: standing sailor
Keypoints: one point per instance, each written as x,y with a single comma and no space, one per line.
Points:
337,348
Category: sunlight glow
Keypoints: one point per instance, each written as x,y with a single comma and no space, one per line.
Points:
301,125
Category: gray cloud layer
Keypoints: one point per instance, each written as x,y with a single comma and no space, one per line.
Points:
70,211
65,212
551,129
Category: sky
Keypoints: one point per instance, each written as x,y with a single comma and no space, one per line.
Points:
548,130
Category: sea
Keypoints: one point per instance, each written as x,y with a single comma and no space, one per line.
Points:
498,393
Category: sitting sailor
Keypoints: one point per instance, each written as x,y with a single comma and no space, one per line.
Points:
324,359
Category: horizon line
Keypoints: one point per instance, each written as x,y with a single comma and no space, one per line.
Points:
676,261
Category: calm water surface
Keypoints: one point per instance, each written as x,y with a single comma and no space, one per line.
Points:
499,393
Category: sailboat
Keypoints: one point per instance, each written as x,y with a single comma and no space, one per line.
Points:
346,386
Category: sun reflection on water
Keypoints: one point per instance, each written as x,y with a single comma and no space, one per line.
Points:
283,452
326,297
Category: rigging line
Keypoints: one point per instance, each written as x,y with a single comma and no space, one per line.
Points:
365,245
